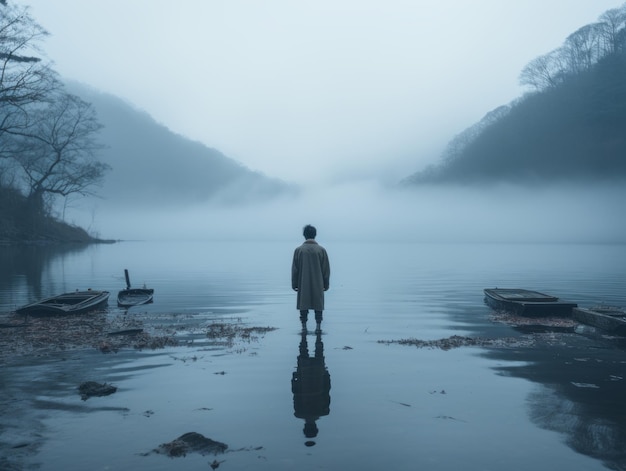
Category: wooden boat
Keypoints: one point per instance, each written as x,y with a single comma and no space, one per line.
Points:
609,318
77,302
527,303
134,296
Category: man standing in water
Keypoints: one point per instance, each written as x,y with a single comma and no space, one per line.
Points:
310,276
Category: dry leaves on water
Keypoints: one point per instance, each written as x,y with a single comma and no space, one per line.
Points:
547,330
457,341
112,331
40,336
229,332
514,320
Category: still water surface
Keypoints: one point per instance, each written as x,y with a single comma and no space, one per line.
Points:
389,406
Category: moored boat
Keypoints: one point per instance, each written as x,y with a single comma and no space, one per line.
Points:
77,302
527,303
608,318
134,296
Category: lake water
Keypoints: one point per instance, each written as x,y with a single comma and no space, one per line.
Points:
556,405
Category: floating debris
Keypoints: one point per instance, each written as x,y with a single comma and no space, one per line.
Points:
91,388
114,331
154,342
227,333
514,320
44,336
457,341
191,442
402,403
526,340
448,417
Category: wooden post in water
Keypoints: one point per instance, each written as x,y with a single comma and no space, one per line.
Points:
127,278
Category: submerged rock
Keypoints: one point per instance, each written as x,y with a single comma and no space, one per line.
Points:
91,388
191,442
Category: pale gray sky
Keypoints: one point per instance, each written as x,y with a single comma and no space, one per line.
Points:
311,91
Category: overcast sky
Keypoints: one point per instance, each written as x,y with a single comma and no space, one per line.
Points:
311,91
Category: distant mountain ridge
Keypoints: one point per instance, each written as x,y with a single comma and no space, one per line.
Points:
571,127
153,166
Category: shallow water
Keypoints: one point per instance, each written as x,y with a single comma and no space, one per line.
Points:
557,405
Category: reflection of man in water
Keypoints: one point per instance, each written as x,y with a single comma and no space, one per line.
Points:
310,385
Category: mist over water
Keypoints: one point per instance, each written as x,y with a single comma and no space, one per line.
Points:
368,211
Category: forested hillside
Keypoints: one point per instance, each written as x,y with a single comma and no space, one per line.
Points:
570,125
151,165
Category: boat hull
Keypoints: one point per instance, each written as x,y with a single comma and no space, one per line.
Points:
527,303
134,297
611,320
77,302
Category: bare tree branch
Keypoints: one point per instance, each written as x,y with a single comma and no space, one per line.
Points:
25,79
57,153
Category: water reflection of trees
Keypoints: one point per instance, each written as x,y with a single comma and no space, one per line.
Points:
582,395
310,384
22,268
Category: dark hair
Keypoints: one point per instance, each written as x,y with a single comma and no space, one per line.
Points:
309,232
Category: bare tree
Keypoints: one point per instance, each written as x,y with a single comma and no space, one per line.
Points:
457,146
580,52
612,22
25,79
57,153
545,71
582,49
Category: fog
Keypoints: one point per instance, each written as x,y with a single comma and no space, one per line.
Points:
343,98
311,91
368,211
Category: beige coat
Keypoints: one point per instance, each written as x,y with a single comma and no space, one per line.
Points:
310,275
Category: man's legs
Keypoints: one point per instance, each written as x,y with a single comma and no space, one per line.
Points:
304,315
318,320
